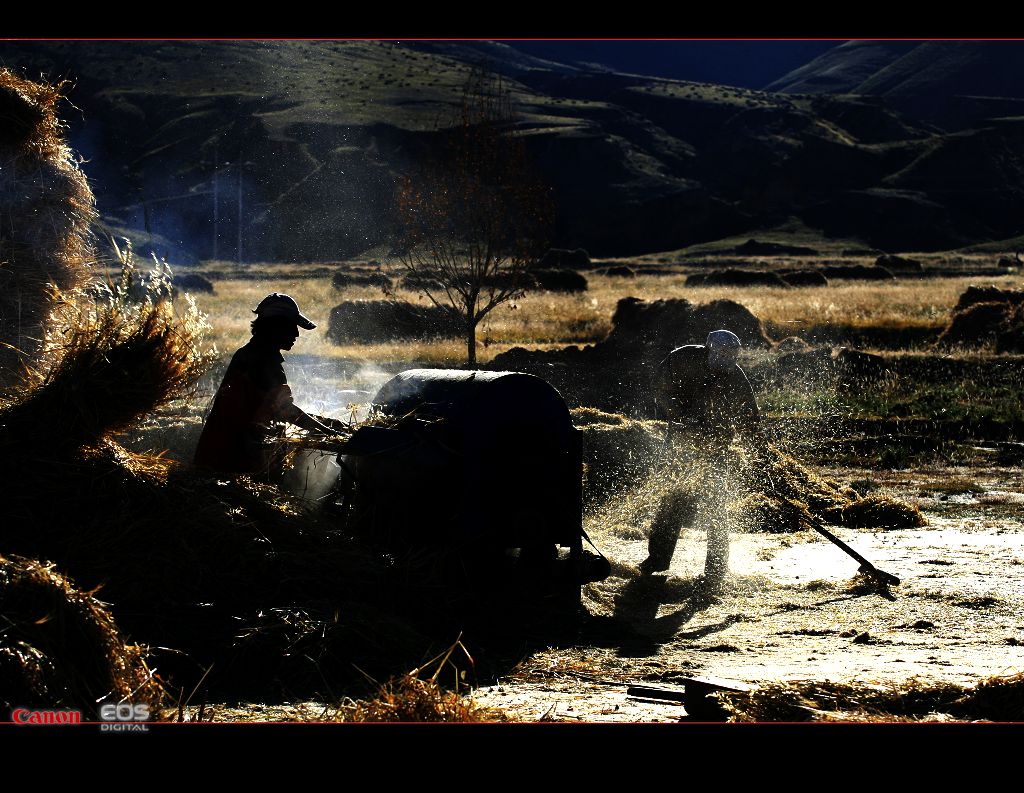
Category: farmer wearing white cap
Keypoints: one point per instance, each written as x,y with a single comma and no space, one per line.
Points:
699,389
254,395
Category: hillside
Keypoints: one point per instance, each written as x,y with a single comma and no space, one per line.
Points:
954,84
304,142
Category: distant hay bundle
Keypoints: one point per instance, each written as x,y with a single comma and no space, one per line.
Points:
736,277
46,208
59,647
874,511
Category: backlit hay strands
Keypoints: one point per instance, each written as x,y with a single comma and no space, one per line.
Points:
114,361
410,698
46,208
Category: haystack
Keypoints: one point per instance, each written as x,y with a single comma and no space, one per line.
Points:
46,208
803,277
735,277
977,324
986,314
858,272
59,647
367,321
899,264
987,294
563,258
614,374
342,279
558,280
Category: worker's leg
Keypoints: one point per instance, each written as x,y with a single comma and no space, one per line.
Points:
716,519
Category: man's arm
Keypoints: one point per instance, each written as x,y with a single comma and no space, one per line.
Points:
301,419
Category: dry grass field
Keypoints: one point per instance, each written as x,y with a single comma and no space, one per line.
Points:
543,320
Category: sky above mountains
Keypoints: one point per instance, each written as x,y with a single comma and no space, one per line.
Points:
747,64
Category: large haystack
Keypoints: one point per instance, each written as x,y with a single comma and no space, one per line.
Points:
46,208
666,324
60,648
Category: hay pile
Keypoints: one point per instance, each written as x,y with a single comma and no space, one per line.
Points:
46,208
994,699
787,496
986,315
59,647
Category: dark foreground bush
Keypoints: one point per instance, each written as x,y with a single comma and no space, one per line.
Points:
59,647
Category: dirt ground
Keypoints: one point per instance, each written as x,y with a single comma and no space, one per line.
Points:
795,608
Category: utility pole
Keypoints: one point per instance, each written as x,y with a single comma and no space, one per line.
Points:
216,164
240,164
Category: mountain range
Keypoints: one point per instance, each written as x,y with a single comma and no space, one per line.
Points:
292,150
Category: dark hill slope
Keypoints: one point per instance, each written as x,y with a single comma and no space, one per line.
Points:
292,150
951,83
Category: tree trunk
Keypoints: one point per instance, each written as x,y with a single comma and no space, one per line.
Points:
471,344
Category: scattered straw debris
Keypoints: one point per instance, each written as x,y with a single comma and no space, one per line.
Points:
994,699
59,647
409,699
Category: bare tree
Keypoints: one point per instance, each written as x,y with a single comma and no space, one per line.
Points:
474,216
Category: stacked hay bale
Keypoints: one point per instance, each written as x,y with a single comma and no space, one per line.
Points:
46,208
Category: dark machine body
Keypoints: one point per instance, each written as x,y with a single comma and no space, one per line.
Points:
486,465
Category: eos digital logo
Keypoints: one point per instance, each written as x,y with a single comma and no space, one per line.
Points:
124,717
